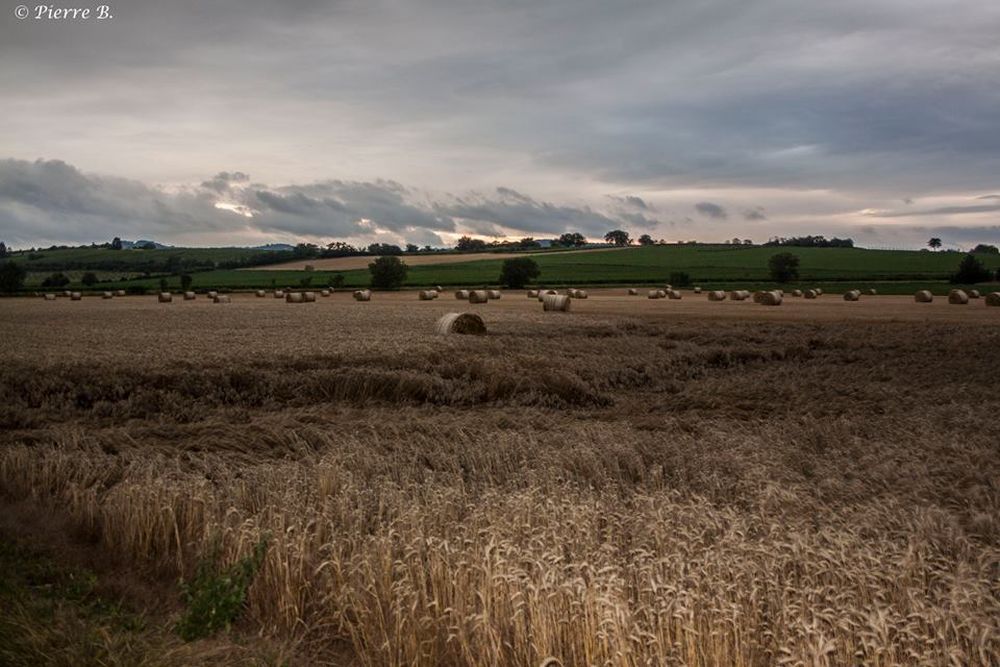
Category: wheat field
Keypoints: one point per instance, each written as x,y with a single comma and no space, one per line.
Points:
632,483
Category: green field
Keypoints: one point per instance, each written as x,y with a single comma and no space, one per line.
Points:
890,271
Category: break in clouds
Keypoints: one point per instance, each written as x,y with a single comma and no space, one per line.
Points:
708,120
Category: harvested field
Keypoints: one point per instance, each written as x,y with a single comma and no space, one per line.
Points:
633,482
362,262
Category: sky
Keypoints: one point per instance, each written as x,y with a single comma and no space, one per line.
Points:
249,122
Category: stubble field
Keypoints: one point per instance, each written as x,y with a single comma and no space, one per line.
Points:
633,483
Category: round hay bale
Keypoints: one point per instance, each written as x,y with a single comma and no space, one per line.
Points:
75,296
438,289
667,287
578,294
852,295
493,294
819,291
717,295
673,294
633,291
222,298
871,291
363,295
973,294
532,294
50,297
810,294
120,292
309,297
67,294
462,295
758,296
260,294
212,294
556,303
279,294
654,294
796,292
992,299
165,297
189,296
107,295
427,295
294,297
739,295
543,293
324,292
923,296
467,324
772,298
697,289
958,297
479,296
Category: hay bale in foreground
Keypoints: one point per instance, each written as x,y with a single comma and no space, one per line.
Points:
717,295
478,296
189,296
468,324
427,295
772,298
50,297
674,294
165,297
556,303
992,299
958,297
493,294
260,294
294,297
532,294
973,294
923,296
120,292
462,295
107,295
633,291
362,295
222,298
852,295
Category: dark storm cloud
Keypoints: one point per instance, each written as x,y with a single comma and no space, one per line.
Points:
711,210
519,212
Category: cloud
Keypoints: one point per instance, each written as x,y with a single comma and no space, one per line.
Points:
710,210
756,213
943,210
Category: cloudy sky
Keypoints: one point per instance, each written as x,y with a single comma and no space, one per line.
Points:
248,122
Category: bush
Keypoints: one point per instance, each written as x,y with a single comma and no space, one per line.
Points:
186,281
970,271
56,280
680,279
89,278
388,272
784,267
337,281
216,596
517,272
11,277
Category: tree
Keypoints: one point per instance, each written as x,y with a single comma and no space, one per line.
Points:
618,237
116,243
89,278
469,244
12,277
784,267
337,281
384,249
164,287
517,272
56,280
388,272
572,239
529,242
934,243
186,281
411,247
3,249
986,249
970,271
646,239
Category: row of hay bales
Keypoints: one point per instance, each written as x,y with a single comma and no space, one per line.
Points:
959,297
78,296
666,293
478,295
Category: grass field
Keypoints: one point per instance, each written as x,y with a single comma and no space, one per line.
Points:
891,271
634,482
